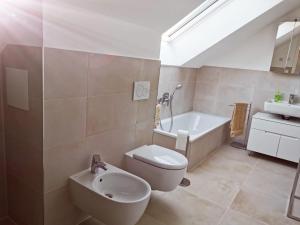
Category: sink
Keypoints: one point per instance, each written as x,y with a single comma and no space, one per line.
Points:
112,196
282,108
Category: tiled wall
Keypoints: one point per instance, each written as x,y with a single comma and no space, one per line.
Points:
3,202
217,88
89,109
24,140
183,100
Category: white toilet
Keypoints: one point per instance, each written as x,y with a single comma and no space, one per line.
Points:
162,168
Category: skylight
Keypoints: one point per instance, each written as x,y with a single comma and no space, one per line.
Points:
191,19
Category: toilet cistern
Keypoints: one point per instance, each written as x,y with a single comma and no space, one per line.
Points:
97,163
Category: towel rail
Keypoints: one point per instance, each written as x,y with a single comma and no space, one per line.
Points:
245,142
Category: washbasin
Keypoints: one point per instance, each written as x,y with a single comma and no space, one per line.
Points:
282,108
112,196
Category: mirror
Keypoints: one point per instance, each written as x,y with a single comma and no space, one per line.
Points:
286,57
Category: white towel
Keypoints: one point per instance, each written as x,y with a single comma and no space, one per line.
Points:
182,139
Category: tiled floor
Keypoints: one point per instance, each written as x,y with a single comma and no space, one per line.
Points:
230,188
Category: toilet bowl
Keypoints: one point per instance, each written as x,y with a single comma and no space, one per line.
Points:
162,168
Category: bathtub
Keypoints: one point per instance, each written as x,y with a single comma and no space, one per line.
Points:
206,133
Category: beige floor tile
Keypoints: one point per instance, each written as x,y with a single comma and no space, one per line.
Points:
214,188
270,209
145,220
182,208
148,220
232,169
228,152
275,165
235,218
267,181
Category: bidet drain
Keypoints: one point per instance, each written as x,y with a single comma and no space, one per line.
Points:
109,195
185,182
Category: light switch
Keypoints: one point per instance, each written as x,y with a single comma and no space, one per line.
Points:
141,90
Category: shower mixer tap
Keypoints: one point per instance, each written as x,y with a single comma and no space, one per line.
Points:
165,99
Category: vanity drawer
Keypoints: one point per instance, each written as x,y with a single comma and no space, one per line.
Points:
274,127
289,149
263,142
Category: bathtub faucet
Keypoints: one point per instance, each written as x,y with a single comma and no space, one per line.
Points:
165,99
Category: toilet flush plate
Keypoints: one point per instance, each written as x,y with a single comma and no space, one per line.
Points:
141,90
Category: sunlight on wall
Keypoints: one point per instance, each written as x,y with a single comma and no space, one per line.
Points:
21,22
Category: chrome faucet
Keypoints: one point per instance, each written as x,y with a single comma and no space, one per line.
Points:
165,99
97,163
292,99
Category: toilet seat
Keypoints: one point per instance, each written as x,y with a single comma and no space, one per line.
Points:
160,157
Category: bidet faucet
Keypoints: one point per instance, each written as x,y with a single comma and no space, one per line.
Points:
97,163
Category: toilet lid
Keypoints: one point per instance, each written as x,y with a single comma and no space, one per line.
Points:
160,157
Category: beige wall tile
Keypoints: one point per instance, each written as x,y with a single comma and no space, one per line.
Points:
237,77
259,97
110,111
64,121
146,108
65,73
62,162
234,85
202,148
204,105
112,144
144,133
164,141
149,71
209,74
232,94
115,124
184,97
59,210
206,89
111,74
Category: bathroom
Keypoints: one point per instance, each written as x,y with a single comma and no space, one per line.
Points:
83,79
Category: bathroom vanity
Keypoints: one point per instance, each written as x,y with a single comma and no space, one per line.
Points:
274,136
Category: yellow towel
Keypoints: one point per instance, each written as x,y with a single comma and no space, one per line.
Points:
239,115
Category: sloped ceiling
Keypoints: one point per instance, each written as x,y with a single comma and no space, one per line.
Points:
193,49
